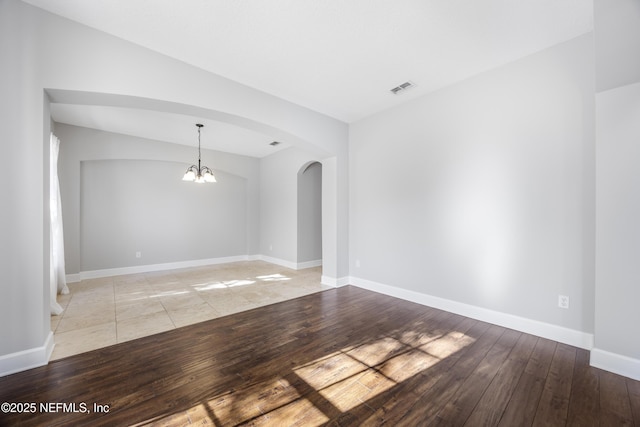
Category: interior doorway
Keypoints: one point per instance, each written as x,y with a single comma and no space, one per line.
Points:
309,252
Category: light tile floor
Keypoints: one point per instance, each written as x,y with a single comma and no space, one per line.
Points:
106,311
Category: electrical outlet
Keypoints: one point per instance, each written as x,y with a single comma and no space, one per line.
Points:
138,254
357,263
563,301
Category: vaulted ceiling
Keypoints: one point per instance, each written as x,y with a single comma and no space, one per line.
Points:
337,57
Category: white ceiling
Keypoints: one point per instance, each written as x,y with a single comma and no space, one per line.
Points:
167,127
338,57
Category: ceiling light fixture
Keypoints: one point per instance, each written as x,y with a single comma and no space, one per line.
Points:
199,173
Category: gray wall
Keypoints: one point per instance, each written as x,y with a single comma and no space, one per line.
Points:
123,195
310,213
617,32
130,206
279,203
618,213
24,164
253,209
482,193
617,43
74,63
497,194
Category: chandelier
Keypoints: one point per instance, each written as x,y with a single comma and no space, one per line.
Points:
199,173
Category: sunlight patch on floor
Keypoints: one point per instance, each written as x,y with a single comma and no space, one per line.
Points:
273,277
300,412
328,386
447,345
168,294
235,283
372,354
212,286
238,282
209,286
105,311
416,339
350,378
246,404
330,370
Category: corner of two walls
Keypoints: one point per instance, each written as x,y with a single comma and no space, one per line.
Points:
617,43
126,209
281,205
24,246
45,52
509,197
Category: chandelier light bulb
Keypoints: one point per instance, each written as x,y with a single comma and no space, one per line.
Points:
189,175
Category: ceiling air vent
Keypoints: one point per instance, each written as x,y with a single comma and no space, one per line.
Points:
403,86
274,143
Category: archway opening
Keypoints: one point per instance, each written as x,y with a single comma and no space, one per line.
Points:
309,247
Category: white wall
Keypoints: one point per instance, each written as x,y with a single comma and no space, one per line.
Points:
617,43
73,63
482,193
272,203
617,32
310,213
144,194
130,206
494,208
24,163
279,203
618,229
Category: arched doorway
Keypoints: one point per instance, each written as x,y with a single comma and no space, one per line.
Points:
309,248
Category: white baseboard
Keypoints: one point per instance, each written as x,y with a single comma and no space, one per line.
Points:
27,359
336,282
616,363
74,277
109,272
534,327
309,264
289,264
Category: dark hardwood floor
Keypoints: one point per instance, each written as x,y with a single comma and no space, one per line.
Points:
340,357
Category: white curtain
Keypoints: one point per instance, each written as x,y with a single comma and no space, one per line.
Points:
58,281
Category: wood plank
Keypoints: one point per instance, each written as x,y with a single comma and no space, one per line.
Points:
393,401
554,402
633,388
584,403
524,400
614,400
460,406
342,357
491,406
441,383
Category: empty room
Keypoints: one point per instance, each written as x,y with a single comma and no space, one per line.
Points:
320,213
